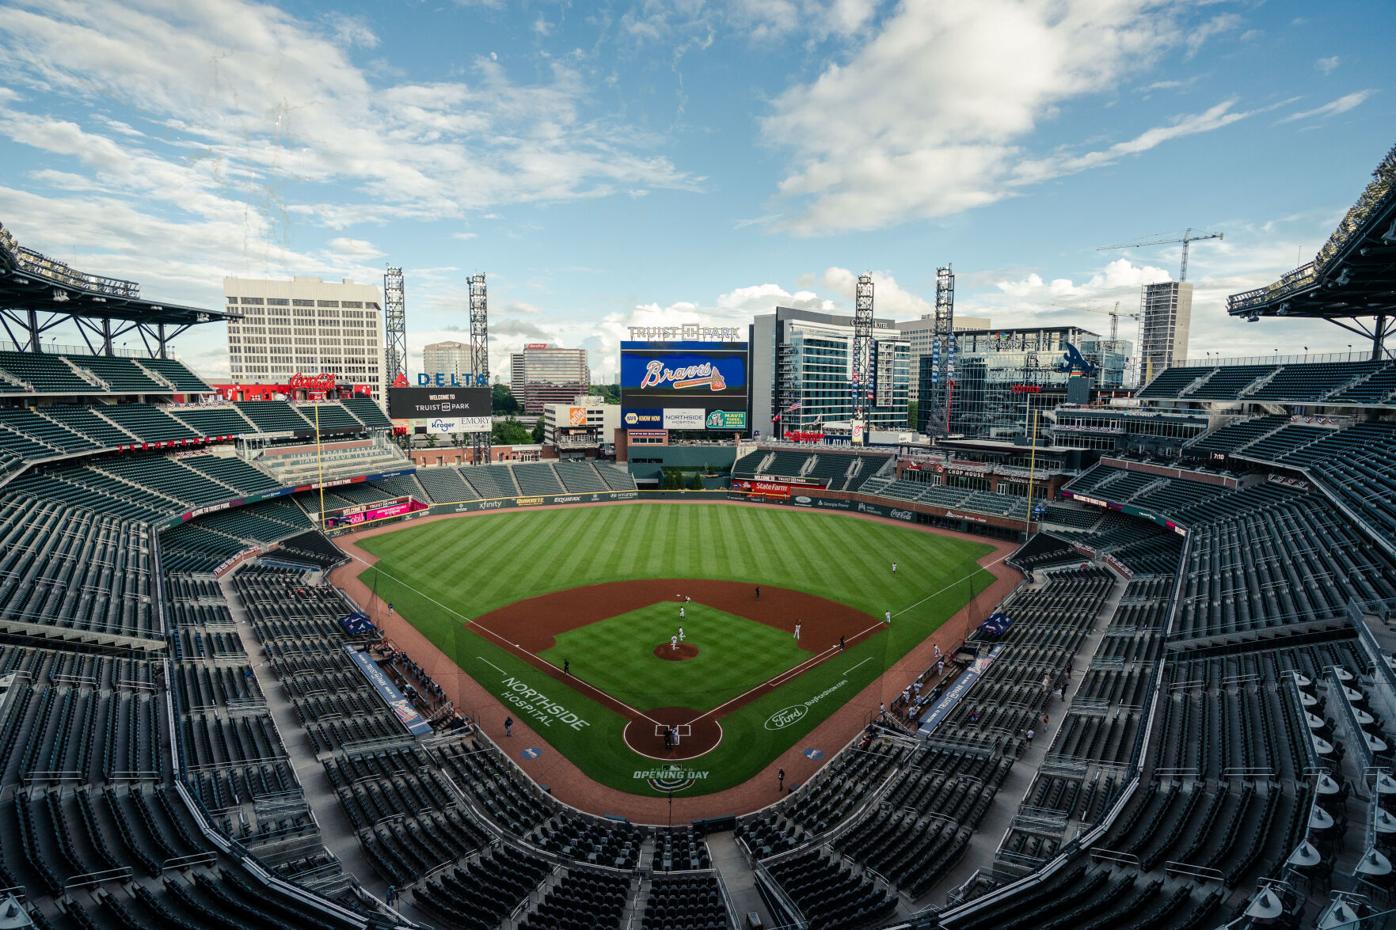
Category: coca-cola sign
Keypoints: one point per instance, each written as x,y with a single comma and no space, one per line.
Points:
304,382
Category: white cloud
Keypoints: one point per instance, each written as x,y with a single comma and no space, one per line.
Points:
1198,36
1116,278
1032,171
1332,108
890,299
928,117
1328,65
277,101
354,249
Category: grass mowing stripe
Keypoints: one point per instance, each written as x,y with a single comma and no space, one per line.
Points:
478,563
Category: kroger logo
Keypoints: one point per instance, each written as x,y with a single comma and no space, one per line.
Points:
786,716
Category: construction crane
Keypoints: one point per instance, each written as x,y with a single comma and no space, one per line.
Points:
1114,320
1188,239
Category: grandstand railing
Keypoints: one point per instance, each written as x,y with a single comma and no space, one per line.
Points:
55,349
1275,358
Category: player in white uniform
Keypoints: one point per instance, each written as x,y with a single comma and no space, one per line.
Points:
887,617
680,634
674,642
683,611
894,568
797,631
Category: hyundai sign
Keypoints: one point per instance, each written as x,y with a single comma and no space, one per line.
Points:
684,386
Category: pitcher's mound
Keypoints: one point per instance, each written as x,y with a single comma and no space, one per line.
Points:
683,652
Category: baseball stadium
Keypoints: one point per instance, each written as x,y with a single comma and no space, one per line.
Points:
287,662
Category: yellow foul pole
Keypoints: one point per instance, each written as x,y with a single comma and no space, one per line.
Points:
1032,469
319,468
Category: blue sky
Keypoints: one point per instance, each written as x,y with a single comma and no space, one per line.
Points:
618,163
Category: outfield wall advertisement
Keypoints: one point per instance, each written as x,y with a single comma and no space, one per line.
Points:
686,386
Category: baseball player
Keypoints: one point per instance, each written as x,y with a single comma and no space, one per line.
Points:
797,631
674,642
887,617
681,634
683,611
894,568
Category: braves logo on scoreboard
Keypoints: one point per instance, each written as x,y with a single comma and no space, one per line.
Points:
706,374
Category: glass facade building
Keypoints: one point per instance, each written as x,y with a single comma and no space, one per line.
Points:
1003,376
801,368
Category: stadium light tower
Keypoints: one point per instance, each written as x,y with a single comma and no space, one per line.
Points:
942,355
480,356
394,325
861,373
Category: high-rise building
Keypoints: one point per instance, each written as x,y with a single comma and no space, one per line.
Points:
451,359
801,366
918,333
1165,313
546,374
305,326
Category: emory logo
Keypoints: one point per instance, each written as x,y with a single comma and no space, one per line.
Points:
681,378
786,716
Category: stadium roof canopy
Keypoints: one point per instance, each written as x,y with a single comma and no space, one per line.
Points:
1351,279
38,293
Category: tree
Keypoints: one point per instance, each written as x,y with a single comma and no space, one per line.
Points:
502,400
695,482
510,432
609,393
538,429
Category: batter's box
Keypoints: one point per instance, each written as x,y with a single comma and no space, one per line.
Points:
684,729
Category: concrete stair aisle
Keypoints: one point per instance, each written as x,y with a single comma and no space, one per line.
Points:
731,865
336,831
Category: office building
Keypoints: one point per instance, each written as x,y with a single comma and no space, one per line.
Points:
305,326
1165,313
545,374
918,333
801,366
1003,376
451,359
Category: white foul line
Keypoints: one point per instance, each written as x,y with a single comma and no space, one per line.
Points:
507,643
822,656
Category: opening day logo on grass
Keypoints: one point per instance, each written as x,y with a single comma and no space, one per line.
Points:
670,777
788,716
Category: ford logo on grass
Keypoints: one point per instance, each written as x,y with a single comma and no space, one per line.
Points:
786,716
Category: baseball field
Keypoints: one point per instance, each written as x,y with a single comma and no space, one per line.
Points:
571,617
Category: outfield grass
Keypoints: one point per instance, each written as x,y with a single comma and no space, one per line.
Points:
734,655
441,573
